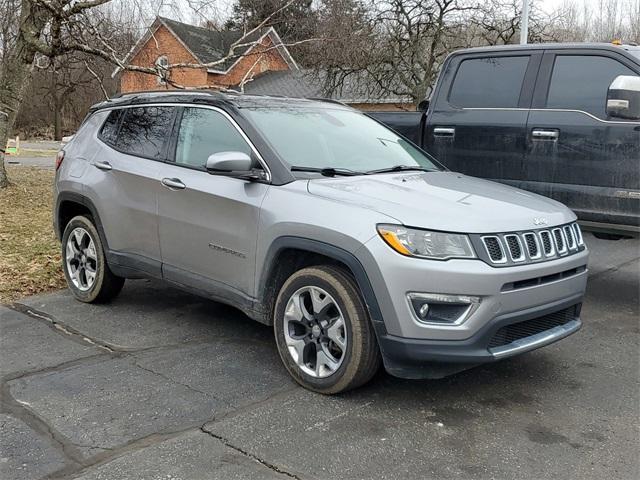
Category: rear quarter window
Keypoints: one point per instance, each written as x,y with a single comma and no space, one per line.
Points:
109,131
493,82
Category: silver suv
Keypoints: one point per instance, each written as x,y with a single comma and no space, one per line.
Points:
356,245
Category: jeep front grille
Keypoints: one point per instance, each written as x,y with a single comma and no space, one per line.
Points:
514,248
494,249
558,236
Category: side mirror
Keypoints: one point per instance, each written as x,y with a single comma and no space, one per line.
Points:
228,162
234,164
423,106
623,97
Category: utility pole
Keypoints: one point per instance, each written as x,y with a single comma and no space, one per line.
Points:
524,24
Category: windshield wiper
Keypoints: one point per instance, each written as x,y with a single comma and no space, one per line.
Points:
402,168
328,171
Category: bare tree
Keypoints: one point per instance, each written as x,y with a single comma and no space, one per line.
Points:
53,29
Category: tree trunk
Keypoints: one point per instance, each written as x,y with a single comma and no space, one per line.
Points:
4,121
57,117
15,74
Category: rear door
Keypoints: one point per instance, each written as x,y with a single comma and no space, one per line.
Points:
124,182
575,153
478,123
208,223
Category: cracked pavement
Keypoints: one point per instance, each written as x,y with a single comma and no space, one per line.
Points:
163,384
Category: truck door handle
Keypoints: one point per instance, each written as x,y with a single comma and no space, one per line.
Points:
444,131
103,165
173,183
539,134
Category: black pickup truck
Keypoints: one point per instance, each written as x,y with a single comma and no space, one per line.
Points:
561,120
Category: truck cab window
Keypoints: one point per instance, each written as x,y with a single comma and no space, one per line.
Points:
489,82
580,82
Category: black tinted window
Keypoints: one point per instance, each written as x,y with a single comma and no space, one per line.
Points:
145,131
489,82
204,132
110,128
581,82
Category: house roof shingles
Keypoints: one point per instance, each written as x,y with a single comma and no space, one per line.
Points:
307,84
211,45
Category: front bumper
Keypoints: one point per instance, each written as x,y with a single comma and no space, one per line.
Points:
413,358
412,349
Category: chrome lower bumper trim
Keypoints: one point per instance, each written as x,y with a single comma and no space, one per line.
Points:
538,340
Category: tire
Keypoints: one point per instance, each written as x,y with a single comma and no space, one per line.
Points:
84,263
339,350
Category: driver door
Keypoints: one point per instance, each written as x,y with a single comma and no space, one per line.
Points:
208,223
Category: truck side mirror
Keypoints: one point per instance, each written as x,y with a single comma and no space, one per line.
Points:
423,106
623,97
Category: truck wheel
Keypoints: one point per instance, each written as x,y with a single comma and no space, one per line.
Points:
84,263
323,332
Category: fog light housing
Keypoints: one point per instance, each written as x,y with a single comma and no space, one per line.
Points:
442,309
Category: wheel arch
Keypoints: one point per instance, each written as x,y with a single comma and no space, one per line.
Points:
288,254
68,205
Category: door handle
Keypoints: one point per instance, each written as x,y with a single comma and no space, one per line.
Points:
173,183
103,165
444,131
539,134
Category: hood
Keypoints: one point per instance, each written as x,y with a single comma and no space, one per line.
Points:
445,201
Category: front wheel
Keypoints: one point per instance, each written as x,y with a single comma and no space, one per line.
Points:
85,265
323,332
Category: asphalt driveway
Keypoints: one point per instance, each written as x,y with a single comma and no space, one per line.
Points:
164,385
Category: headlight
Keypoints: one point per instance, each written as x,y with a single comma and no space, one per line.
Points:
425,243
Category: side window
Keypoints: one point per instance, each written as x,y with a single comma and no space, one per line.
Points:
489,82
580,82
109,132
145,131
204,132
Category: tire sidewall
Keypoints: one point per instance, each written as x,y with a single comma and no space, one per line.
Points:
349,308
85,223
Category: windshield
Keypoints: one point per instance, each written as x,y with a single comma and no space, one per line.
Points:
335,138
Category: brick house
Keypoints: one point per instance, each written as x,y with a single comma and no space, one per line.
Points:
262,66
170,42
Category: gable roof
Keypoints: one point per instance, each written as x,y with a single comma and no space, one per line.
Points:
209,46
356,88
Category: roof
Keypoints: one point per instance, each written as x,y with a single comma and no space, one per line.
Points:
208,46
211,97
548,46
355,88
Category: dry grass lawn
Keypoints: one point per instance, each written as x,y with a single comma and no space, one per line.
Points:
29,250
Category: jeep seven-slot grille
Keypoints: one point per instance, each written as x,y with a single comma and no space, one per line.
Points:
559,239
533,246
517,331
513,243
547,245
494,249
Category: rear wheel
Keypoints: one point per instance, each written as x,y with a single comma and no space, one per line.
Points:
323,332
84,263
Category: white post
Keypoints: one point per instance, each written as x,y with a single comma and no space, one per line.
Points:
524,24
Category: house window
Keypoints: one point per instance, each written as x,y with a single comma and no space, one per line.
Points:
162,64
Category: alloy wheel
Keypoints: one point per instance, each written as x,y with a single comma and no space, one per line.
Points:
315,332
81,259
